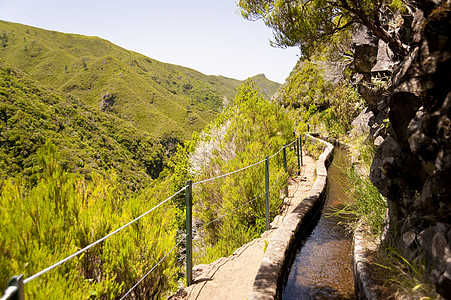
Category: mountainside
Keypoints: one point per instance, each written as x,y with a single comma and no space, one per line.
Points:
267,87
31,115
163,99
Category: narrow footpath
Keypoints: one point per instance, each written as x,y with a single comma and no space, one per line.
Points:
233,277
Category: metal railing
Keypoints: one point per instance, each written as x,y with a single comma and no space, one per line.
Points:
16,285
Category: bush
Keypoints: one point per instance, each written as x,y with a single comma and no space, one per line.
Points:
345,106
367,203
243,135
314,100
64,213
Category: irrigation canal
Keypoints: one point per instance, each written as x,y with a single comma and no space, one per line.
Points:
322,266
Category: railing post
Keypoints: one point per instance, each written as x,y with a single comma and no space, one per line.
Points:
297,154
189,232
300,149
294,133
15,290
285,166
267,191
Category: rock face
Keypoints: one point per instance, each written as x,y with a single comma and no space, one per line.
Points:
365,49
107,102
412,165
362,124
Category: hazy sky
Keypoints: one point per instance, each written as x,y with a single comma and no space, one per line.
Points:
206,35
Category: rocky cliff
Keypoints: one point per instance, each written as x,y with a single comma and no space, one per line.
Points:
412,165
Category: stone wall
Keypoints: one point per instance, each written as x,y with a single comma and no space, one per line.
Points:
412,165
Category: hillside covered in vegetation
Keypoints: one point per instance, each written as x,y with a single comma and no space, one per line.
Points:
32,114
92,136
160,98
105,107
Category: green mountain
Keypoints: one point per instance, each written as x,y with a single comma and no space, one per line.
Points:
160,98
88,139
267,87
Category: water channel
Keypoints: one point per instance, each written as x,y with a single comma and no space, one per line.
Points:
322,267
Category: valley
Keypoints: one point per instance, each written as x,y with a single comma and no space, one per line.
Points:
104,106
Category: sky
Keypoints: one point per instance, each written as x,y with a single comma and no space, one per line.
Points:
206,35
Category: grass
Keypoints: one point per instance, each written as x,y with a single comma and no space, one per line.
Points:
399,278
367,203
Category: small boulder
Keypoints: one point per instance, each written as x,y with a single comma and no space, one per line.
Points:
107,102
362,124
365,49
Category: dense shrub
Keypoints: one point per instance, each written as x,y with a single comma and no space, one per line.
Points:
243,135
63,213
314,100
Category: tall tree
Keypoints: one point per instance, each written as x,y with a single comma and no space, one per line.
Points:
306,23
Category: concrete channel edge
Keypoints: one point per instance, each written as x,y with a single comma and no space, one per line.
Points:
270,276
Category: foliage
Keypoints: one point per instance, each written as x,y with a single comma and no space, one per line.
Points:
345,105
367,203
89,140
305,88
232,208
65,212
313,148
399,278
310,24
314,100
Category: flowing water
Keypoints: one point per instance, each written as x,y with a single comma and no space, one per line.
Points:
322,267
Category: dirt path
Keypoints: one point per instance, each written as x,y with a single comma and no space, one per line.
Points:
232,277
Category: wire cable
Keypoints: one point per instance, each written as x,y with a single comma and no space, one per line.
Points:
278,180
100,240
291,143
280,150
242,169
153,268
224,175
217,219
144,214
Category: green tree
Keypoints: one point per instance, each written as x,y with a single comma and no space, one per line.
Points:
308,23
